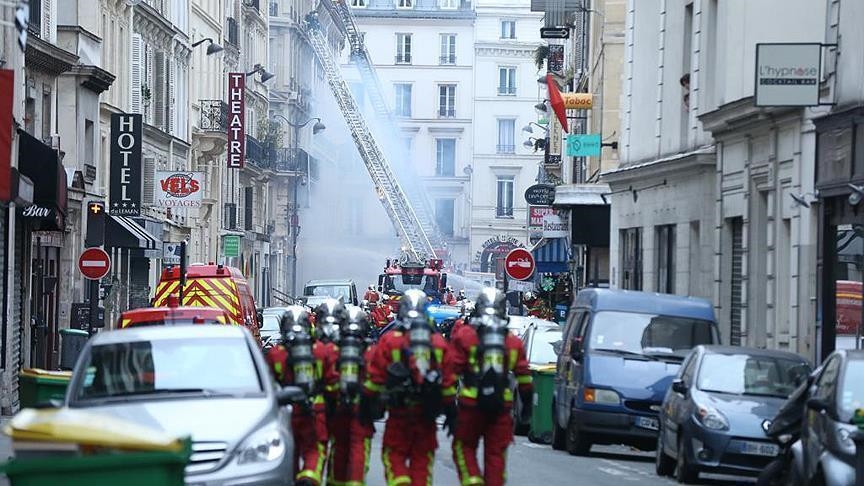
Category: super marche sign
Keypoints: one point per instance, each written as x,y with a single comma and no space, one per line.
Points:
787,74
124,196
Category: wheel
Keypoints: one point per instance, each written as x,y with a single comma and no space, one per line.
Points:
578,443
773,474
664,465
685,472
558,434
519,428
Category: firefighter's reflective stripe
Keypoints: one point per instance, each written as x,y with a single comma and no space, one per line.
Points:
523,379
125,323
373,387
472,357
163,290
471,392
396,355
439,355
450,391
514,356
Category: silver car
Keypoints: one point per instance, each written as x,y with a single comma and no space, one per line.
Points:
208,382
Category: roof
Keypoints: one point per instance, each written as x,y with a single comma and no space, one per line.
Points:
197,270
773,353
344,281
645,302
186,312
154,333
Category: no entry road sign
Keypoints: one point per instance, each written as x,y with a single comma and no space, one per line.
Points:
94,263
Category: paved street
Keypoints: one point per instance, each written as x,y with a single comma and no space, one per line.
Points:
530,463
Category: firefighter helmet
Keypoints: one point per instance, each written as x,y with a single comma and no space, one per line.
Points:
412,305
491,302
356,322
294,322
329,317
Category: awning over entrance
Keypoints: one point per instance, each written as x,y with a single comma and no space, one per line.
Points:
40,164
590,212
552,256
125,232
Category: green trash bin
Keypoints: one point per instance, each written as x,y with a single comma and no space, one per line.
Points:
38,386
541,415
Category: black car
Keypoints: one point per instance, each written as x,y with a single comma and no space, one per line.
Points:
826,452
715,414
270,334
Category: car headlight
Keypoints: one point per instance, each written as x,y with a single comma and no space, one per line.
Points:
711,418
263,446
601,396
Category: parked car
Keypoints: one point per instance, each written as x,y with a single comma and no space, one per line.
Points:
270,332
173,315
317,291
720,405
540,340
621,350
519,324
826,452
207,382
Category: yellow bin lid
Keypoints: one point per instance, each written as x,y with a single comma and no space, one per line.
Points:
40,373
87,428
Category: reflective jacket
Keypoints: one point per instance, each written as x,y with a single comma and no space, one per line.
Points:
466,364
394,347
325,374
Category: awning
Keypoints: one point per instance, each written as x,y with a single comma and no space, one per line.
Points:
589,212
552,256
125,232
40,164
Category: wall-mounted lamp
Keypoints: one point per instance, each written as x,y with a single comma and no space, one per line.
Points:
801,199
856,195
527,128
265,76
212,48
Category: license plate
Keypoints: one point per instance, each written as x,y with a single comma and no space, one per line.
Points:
758,449
650,423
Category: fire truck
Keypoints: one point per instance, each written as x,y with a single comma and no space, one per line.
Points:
401,276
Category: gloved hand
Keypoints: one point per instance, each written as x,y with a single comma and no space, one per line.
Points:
527,400
450,419
369,408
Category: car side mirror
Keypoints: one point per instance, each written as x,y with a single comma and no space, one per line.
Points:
820,405
558,346
678,386
576,351
290,395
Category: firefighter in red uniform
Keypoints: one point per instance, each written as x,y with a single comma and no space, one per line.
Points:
329,316
484,355
301,360
411,367
381,315
371,295
351,436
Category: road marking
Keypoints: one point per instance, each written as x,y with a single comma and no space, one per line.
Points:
534,446
615,472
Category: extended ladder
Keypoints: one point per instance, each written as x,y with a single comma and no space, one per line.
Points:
360,56
415,240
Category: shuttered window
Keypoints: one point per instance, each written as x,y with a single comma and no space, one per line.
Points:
160,94
736,307
631,258
248,206
149,175
135,74
48,21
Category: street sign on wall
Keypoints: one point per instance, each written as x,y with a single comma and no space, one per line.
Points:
556,140
554,33
540,195
236,120
584,145
787,74
124,195
231,245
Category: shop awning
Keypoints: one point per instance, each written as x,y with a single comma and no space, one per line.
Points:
125,232
552,256
589,212
40,164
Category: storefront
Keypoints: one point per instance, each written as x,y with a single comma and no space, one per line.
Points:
840,266
132,246
589,231
552,279
42,226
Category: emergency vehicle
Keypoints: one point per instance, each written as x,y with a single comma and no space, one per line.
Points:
212,285
399,277
172,315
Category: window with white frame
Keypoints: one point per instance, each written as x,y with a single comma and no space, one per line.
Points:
402,105
446,100
445,157
358,3
506,136
403,48
448,4
448,49
405,3
508,29
445,210
504,206
506,81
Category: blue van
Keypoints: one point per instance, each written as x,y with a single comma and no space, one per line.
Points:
619,354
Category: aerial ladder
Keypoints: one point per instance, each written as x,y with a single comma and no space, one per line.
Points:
341,13
416,245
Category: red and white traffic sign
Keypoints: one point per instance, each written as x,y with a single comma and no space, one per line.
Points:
519,264
94,263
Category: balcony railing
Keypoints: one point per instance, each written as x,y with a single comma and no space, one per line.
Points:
257,153
231,38
506,90
447,59
506,149
214,116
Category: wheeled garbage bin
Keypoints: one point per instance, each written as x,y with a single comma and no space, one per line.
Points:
72,341
39,386
541,415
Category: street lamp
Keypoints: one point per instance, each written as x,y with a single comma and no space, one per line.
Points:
295,218
212,48
527,128
265,75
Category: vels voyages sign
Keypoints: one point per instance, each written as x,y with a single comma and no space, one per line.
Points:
124,197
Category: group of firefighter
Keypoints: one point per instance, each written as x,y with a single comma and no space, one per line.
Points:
412,375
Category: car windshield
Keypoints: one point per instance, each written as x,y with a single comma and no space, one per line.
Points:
852,392
397,282
271,323
541,351
743,374
648,334
166,366
334,291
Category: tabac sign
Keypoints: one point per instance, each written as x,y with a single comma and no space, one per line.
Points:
125,192
236,120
